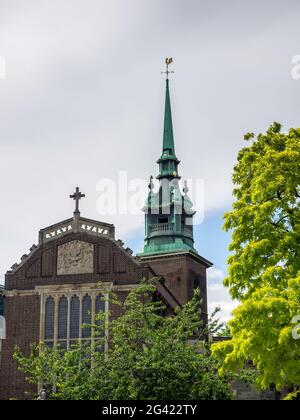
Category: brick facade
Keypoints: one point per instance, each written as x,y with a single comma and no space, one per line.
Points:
113,265
22,329
183,273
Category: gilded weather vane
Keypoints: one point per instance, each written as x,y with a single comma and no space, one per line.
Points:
168,62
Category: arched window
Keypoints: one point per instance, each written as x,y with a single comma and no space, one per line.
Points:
63,318
86,315
49,319
74,317
100,308
70,312
100,304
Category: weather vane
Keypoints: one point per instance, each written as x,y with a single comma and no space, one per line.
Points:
168,62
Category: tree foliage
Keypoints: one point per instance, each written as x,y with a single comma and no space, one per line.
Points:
264,267
149,357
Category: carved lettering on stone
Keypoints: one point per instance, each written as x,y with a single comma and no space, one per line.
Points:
76,257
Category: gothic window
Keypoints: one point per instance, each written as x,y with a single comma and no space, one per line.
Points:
86,315
63,345
100,332
74,317
100,307
100,304
49,319
65,316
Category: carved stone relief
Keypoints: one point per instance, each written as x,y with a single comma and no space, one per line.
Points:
76,257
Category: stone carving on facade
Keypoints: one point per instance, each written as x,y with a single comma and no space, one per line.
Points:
76,257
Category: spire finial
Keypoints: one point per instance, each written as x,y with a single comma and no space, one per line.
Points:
168,61
77,196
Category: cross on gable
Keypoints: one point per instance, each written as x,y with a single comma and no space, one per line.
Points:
77,196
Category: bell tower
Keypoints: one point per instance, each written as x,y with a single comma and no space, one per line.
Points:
168,211
169,237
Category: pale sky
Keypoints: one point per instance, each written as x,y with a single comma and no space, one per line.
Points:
83,99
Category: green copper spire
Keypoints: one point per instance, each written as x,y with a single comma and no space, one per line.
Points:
168,162
168,212
168,141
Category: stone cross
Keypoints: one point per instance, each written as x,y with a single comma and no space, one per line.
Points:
77,196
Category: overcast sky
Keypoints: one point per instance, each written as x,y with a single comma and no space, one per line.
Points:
83,99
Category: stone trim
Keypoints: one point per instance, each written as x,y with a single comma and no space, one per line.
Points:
73,287
76,225
70,287
160,256
21,293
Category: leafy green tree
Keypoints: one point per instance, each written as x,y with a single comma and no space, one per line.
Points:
149,357
264,267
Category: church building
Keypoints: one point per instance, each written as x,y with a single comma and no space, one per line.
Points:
59,285
1,301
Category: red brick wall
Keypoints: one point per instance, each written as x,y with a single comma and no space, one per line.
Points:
182,273
22,315
174,271
111,264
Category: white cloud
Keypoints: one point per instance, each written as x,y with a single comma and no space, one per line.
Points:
84,98
215,274
218,295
